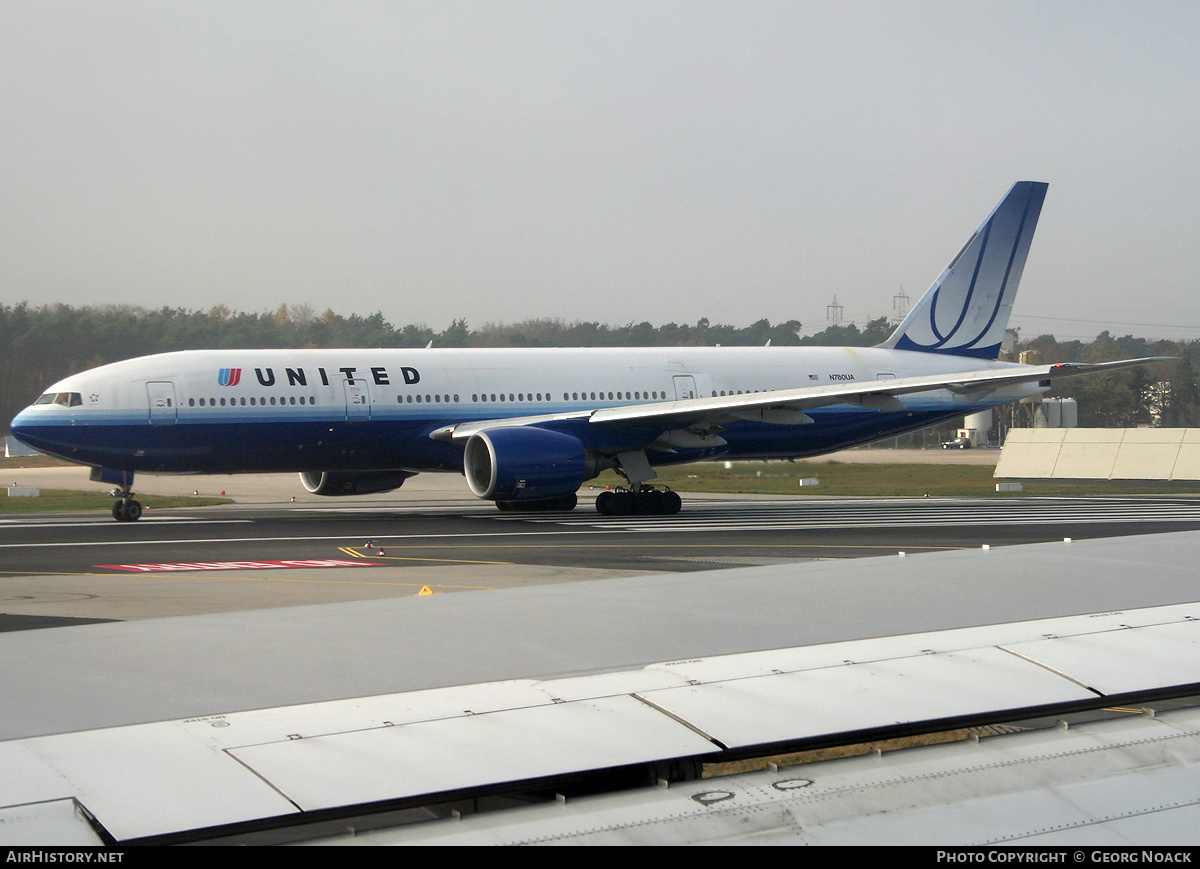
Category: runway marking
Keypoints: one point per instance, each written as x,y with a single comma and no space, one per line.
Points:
173,520
764,516
889,547
349,551
406,507
235,565
26,573
790,515
292,539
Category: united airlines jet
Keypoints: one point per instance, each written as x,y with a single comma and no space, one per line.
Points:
528,427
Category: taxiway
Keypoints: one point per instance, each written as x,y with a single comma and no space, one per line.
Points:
269,551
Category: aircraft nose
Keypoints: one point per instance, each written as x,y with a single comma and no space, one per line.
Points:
19,422
21,428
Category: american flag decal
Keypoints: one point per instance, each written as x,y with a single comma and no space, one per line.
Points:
229,376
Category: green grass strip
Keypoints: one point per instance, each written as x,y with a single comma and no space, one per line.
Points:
65,500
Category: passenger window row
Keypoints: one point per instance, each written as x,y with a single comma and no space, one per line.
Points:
429,399
652,395
74,399
254,401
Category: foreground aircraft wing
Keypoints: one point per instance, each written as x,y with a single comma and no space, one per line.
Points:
787,406
639,693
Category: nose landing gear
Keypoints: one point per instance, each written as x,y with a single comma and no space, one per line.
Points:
125,509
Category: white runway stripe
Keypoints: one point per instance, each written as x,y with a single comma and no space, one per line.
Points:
91,523
785,515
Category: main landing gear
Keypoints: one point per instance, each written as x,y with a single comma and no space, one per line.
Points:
125,509
640,497
645,500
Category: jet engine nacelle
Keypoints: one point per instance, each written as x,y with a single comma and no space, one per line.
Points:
523,463
353,482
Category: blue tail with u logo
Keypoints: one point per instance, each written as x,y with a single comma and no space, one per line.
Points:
966,310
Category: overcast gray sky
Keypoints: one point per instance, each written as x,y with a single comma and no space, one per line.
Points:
611,161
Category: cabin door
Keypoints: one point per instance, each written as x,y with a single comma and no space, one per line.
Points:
162,402
685,387
358,401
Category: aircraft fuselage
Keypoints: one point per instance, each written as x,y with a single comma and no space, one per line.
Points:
225,412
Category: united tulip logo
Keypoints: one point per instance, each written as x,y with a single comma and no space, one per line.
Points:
229,376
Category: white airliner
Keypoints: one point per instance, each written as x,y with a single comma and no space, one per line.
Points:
528,427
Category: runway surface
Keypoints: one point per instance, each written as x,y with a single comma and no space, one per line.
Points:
58,568
708,533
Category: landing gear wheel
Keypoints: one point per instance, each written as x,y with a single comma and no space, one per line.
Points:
127,510
648,502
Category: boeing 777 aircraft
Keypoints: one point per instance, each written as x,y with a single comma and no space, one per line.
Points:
528,427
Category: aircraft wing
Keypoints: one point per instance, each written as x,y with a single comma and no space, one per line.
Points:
787,406
620,694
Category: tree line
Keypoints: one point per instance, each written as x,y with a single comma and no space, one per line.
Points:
40,345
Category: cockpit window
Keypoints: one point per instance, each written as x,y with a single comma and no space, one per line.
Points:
66,399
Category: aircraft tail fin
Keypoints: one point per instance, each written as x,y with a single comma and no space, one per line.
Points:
965,312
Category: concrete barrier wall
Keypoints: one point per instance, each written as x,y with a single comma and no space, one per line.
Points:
1100,454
